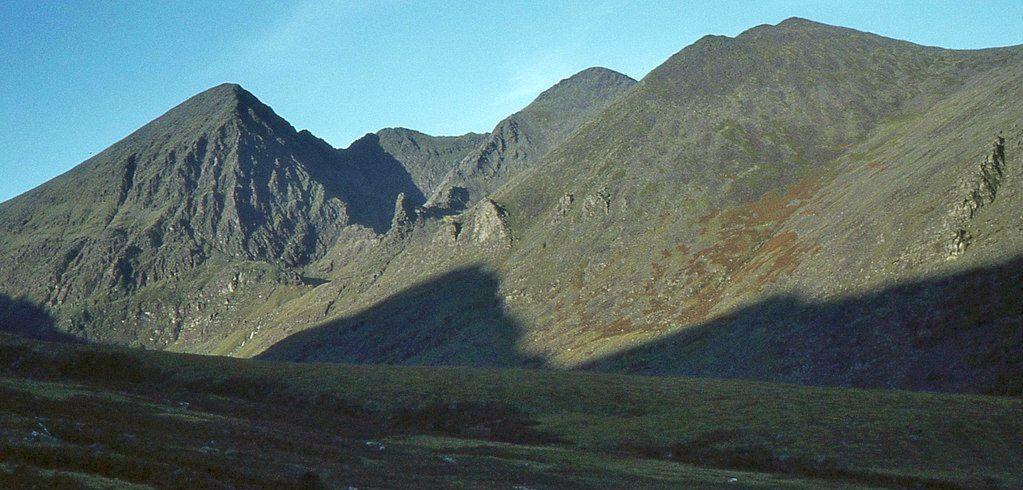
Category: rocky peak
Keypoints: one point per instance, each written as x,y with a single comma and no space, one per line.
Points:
404,214
218,176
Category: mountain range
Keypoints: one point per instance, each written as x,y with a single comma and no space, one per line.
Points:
801,203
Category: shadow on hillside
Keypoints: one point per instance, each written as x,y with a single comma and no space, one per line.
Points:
961,332
26,319
453,319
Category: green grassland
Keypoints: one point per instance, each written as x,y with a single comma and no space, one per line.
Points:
105,417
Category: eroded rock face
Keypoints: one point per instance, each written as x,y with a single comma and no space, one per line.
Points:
450,198
598,203
404,215
488,225
978,189
565,204
452,228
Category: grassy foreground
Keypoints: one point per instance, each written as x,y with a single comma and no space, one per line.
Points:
103,417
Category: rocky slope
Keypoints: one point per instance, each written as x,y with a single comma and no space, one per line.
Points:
522,139
150,239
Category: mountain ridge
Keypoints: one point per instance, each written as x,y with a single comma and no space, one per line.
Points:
798,160
217,197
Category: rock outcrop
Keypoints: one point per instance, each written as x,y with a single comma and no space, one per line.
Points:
980,188
488,225
404,215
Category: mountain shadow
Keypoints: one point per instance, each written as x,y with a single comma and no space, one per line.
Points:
26,319
960,332
456,318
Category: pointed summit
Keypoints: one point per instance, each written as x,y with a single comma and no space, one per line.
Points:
226,96
227,91
210,110
584,85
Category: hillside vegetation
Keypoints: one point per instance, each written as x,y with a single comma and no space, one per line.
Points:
108,417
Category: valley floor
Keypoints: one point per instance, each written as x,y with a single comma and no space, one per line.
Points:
76,416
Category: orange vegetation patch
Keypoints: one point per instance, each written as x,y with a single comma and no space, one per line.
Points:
779,255
749,250
685,286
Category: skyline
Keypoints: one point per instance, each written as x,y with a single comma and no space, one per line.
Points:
81,77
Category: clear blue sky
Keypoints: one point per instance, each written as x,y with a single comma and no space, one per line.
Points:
77,76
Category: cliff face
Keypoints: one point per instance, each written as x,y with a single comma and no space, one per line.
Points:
977,190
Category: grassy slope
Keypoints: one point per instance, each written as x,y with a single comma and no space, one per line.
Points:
862,243
119,414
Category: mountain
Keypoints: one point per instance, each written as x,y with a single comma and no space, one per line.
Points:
427,158
780,206
520,140
801,203
219,189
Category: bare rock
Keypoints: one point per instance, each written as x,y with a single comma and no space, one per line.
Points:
487,225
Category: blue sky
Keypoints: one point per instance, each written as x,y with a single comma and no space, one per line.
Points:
76,77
